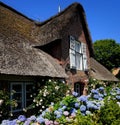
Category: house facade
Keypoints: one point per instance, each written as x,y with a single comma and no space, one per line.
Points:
60,48
68,41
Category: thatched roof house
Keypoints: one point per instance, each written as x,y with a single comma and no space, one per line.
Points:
99,72
60,47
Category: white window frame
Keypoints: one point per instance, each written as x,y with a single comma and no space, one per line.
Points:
77,48
23,94
85,65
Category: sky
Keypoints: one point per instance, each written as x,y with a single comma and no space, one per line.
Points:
103,16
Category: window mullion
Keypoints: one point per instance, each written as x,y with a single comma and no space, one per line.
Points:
23,95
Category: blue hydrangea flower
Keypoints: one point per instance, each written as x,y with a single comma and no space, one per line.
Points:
13,122
100,99
94,91
82,108
96,96
64,107
101,88
43,113
118,97
75,94
77,105
58,116
22,118
27,122
56,112
5,122
118,92
60,109
32,118
73,110
40,120
90,104
96,107
82,98
101,95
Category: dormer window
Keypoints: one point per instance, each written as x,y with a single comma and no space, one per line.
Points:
78,57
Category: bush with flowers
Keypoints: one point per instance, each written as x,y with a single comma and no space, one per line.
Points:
5,104
51,91
99,107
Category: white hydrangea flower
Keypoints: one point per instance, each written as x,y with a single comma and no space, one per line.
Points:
1,102
43,107
49,80
34,100
41,100
57,87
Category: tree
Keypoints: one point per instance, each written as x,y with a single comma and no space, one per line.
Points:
107,52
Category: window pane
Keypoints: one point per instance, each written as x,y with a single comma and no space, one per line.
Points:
83,48
17,96
29,102
29,87
79,61
72,42
77,47
19,106
85,62
72,59
17,87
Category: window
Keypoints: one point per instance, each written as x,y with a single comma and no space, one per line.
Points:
22,95
78,87
78,57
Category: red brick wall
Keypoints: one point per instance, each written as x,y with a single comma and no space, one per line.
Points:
74,28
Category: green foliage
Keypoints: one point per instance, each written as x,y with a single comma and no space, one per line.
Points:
83,120
5,104
107,52
109,113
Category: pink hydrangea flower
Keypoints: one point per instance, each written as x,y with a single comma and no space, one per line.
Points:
66,113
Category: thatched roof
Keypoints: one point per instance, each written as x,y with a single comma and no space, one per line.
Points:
99,72
43,32
54,27
17,54
18,57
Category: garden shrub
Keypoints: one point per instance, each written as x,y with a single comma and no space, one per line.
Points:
5,104
51,92
109,113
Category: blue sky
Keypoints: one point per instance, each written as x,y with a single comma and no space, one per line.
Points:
103,16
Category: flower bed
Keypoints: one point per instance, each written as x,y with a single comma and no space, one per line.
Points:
87,110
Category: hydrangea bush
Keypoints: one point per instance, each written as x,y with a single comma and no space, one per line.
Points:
99,107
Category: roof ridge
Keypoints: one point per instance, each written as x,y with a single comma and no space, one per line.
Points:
73,5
